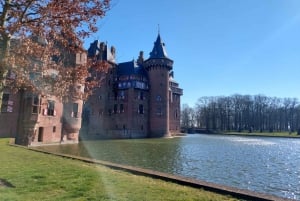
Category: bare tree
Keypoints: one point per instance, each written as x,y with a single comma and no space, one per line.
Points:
248,113
203,111
187,116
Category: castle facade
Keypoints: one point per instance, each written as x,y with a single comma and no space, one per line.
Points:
36,119
136,99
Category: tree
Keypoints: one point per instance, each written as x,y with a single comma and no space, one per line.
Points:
204,111
248,113
38,37
187,116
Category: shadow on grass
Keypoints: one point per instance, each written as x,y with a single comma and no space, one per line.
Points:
5,183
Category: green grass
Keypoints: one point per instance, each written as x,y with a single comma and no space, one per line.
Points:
42,177
273,134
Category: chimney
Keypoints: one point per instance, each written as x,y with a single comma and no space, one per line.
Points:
140,60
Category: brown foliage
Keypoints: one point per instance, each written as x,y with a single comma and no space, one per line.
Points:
40,39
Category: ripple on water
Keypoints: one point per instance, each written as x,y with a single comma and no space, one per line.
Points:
267,165
250,141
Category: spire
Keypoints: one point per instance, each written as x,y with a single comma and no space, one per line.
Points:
158,29
158,50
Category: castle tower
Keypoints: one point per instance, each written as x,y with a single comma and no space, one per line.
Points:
158,66
73,107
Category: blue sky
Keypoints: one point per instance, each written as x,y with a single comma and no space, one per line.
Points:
219,47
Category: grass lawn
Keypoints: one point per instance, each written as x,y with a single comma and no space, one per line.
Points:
273,134
28,175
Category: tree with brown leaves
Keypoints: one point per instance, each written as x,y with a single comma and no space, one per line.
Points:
39,39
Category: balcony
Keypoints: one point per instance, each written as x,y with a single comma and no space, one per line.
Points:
177,90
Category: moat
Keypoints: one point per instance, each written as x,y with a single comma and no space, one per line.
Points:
262,164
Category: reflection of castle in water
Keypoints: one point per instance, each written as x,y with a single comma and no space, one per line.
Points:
137,99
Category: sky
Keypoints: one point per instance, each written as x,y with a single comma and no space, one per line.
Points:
219,47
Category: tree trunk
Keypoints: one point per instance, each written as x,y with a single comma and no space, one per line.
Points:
4,55
5,46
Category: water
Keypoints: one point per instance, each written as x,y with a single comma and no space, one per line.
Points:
261,164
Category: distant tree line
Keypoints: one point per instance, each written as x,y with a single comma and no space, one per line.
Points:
243,113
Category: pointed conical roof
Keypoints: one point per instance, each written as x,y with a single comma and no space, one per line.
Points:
158,50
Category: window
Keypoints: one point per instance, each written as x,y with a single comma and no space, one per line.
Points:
75,110
121,95
115,108
141,95
50,109
141,109
7,105
54,129
158,111
11,75
158,98
5,97
36,105
121,108
33,76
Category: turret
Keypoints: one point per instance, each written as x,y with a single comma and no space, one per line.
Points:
100,51
158,66
72,113
73,105
140,60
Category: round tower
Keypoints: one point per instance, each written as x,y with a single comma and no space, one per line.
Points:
72,114
74,105
158,66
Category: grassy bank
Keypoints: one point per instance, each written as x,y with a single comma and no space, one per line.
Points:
27,175
267,134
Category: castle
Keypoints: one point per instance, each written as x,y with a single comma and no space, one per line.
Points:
135,99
